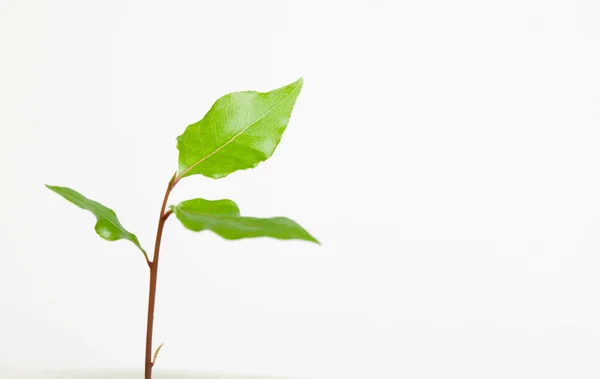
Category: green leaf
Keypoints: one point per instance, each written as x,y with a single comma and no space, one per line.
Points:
107,225
223,217
241,130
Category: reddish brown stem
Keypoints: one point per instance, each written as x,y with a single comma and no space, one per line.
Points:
164,215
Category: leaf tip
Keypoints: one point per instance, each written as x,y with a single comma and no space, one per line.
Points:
310,238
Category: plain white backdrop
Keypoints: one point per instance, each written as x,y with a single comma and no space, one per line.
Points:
444,152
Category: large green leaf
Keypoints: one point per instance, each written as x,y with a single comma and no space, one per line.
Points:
107,225
223,217
241,130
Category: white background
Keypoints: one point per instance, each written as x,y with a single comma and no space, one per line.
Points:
445,153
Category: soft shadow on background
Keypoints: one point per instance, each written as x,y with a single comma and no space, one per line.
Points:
108,374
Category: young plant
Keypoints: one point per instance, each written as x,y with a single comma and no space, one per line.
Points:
239,131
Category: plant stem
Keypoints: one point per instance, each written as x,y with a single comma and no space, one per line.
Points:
153,280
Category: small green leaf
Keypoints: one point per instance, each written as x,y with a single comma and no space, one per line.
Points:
156,353
223,217
241,130
107,225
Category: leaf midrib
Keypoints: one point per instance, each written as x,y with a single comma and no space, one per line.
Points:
104,214
219,217
231,219
235,136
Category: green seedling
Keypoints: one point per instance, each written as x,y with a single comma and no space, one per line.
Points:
239,131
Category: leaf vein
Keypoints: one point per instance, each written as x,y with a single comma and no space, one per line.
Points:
238,134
